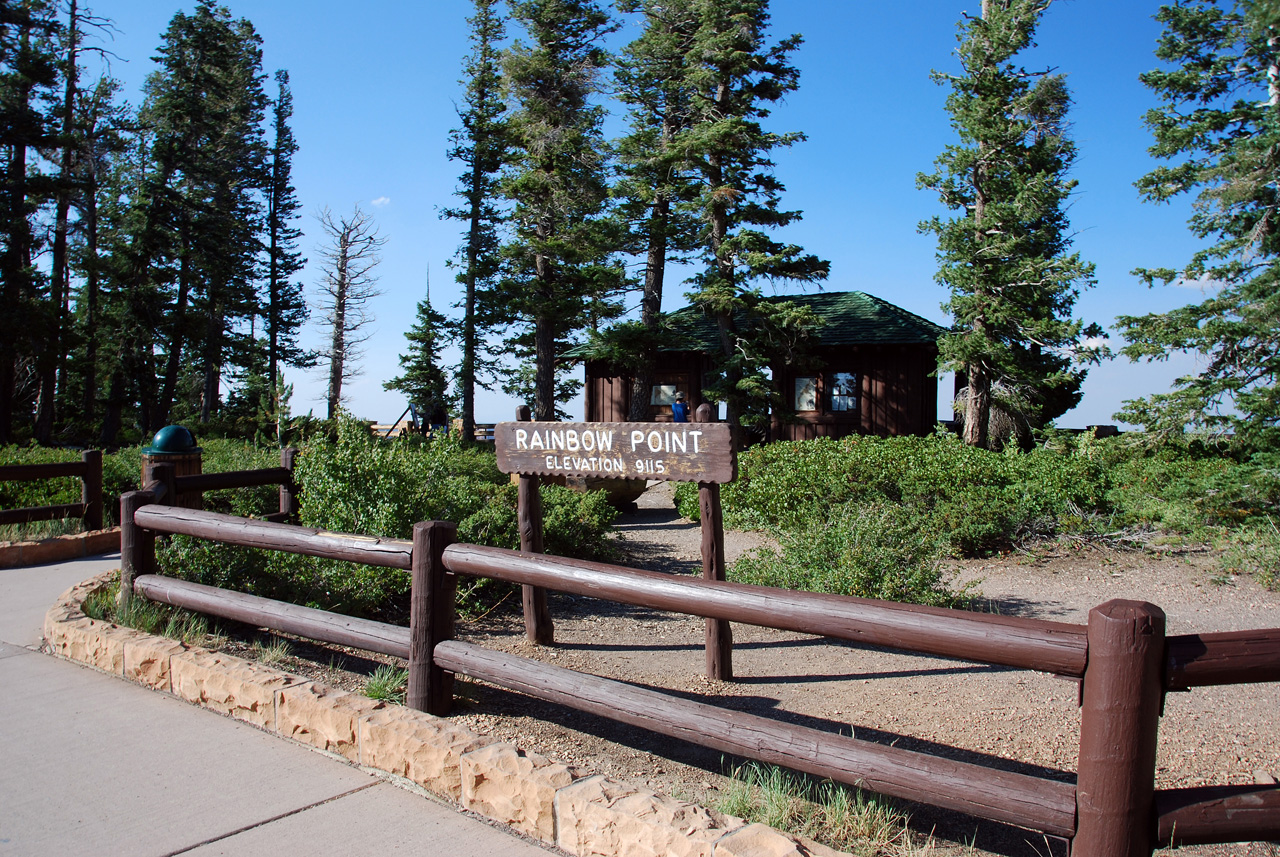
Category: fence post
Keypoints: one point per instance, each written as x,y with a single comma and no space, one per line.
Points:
289,490
137,545
167,475
1120,717
538,626
718,636
431,617
91,489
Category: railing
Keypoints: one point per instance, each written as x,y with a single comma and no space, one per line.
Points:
1122,657
188,490
88,469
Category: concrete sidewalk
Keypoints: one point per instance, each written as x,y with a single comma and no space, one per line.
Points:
93,765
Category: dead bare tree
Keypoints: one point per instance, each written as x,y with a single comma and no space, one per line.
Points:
347,285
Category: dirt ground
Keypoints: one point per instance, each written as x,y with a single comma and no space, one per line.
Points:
1006,718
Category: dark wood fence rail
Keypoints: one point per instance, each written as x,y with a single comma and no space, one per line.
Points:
1122,657
188,489
88,470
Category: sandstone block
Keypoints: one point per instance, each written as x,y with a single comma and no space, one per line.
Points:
229,685
323,717
146,660
599,816
419,747
760,840
97,644
515,787
63,611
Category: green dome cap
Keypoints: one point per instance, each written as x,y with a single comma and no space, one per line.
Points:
172,440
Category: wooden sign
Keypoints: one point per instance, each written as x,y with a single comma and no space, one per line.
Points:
676,452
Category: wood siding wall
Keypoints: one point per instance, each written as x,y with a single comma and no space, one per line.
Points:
896,395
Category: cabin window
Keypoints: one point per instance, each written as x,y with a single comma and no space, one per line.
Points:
844,392
806,394
663,394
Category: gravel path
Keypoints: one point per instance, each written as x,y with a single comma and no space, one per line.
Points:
1006,718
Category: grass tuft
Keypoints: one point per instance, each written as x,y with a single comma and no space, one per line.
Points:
833,814
388,683
273,653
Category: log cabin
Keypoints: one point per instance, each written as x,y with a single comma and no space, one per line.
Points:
869,370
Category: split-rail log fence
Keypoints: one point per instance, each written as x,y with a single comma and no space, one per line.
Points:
1123,660
88,470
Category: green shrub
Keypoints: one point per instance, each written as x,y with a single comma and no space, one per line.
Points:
872,551
363,485
1255,550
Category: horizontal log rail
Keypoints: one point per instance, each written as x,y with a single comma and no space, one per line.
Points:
42,513
1229,657
34,472
88,470
248,532
276,615
1033,802
1209,814
1124,658
1035,644
233,479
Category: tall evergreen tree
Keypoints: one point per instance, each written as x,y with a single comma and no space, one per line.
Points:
481,144
656,186
102,133
560,275
733,77
1005,256
196,236
1219,122
28,79
423,382
285,310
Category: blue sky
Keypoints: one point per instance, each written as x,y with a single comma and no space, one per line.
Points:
376,87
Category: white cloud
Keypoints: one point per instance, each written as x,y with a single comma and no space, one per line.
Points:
1203,283
381,201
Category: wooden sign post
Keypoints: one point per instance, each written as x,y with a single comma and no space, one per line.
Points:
699,452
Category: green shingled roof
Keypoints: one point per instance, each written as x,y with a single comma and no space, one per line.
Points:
852,318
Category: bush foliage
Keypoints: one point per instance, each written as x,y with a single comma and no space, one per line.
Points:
859,515
360,484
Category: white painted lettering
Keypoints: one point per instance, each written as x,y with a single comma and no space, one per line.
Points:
654,441
536,442
637,438
695,435
589,441
678,442
522,438
604,440
555,439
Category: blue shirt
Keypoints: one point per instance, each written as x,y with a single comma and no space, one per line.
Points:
680,412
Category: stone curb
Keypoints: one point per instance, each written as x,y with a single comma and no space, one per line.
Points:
583,814
59,548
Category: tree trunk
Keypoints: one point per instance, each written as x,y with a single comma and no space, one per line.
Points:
977,407
651,307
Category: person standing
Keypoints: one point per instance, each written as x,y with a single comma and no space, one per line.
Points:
680,409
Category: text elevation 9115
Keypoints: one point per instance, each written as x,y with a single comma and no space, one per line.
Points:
676,452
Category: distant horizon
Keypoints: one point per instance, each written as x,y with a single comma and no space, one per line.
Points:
375,98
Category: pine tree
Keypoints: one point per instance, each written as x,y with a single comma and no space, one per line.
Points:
656,187
1004,256
423,382
285,310
28,79
560,277
197,233
481,144
733,77
1220,125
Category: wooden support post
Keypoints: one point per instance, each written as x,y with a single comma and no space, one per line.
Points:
718,636
431,617
538,626
1121,703
289,490
167,475
91,489
137,545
